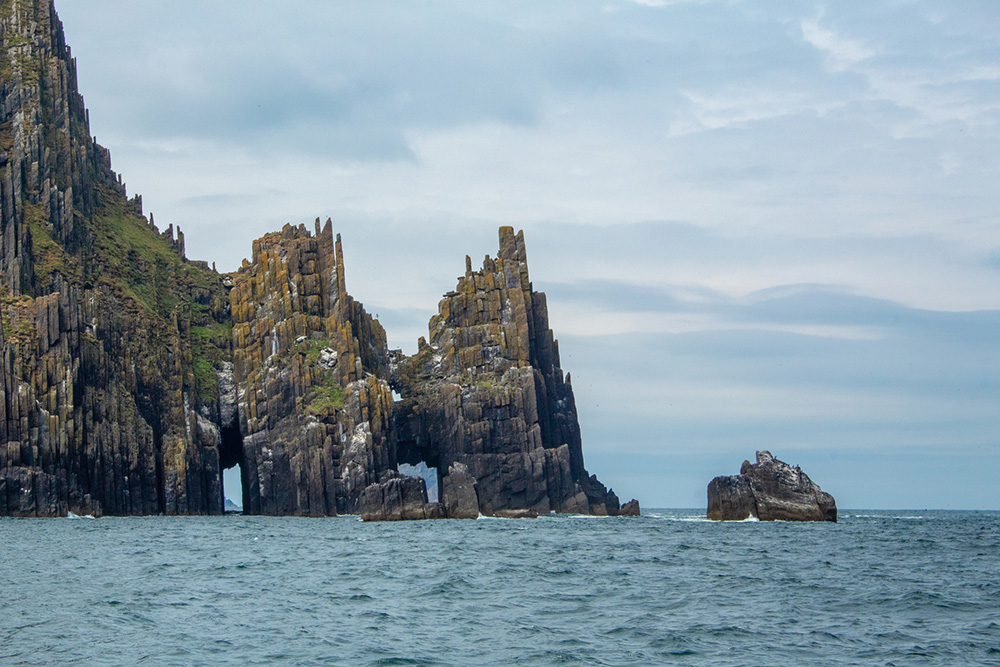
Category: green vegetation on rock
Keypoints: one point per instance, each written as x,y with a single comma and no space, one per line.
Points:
328,396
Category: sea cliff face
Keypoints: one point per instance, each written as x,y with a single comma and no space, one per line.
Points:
105,404
487,391
132,376
315,409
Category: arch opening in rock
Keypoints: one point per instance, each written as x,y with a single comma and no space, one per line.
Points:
429,475
234,486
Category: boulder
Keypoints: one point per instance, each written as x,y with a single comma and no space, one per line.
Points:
631,508
770,490
398,499
458,493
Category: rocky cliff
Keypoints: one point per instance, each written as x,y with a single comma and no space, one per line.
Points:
107,399
487,391
314,407
132,376
770,490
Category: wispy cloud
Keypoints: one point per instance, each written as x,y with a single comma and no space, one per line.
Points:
842,52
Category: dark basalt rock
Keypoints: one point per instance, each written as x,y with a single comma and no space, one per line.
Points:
398,499
516,514
486,390
131,376
458,493
770,490
631,508
110,339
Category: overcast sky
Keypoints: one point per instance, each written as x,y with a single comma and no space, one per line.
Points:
759,224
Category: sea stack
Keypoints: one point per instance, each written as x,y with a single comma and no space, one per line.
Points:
770,490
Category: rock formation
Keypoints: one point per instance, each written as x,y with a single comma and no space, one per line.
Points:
488,392
770,490
132,376
108,399
315,410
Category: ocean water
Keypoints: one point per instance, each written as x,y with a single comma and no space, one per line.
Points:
878,588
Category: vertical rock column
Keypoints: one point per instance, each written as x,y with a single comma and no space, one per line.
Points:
487,391
315,413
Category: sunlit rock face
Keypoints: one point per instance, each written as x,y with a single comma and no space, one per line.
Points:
315,409
770,490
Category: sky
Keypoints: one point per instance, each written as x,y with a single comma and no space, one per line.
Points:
760,225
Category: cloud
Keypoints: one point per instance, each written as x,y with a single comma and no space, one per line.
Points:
842,52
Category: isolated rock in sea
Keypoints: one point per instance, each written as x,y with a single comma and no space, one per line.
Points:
398,498
631,508
770,490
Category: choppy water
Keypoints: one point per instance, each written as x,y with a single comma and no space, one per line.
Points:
878,588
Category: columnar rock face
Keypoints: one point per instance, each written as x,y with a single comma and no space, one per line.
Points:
458,493
132,376
398,498
488,392
770,490
108,401
315,411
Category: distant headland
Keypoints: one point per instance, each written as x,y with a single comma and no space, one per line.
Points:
133,376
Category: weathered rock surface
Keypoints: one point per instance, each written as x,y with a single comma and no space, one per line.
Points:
770,490
130,376
458,493
631,508
488,392
108,399
398,499
315,411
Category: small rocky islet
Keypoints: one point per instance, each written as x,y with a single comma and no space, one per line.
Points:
769,490
133,376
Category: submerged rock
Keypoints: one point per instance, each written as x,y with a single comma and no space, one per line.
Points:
516,514
770,490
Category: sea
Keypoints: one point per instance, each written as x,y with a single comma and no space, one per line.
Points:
668,588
